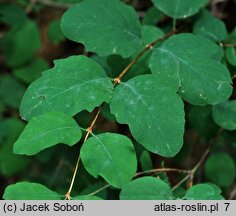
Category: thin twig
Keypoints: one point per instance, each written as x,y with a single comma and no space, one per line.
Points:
228,44
147,47
193,171
98,190
201,161
181,181
89,131
232,194
162,170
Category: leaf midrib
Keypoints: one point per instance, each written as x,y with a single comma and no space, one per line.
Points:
51,131
110,158
62,92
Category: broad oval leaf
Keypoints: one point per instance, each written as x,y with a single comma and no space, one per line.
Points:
111,156
15,44
74,84
191,63
107,27
224,114
29,191
204,191
179,8
12,15
146,188
210,27
220,169
47,130
153,110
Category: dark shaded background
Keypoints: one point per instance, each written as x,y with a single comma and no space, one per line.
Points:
54,167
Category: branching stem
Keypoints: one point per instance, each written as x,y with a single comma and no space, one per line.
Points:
98,190
89,131
162,170
116,81
192,171
190,174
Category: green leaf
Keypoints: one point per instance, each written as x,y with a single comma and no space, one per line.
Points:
47,130
146,188
7,95
12,15
204,192
102,61
230,54
191,64
179,8
146,161
15,44
144,104
152,16
54,32
150,33
94,29
86,197
220,169
224,114
210,27
29,191
74,84
32,71
111,156
117,64
10,164
200,118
